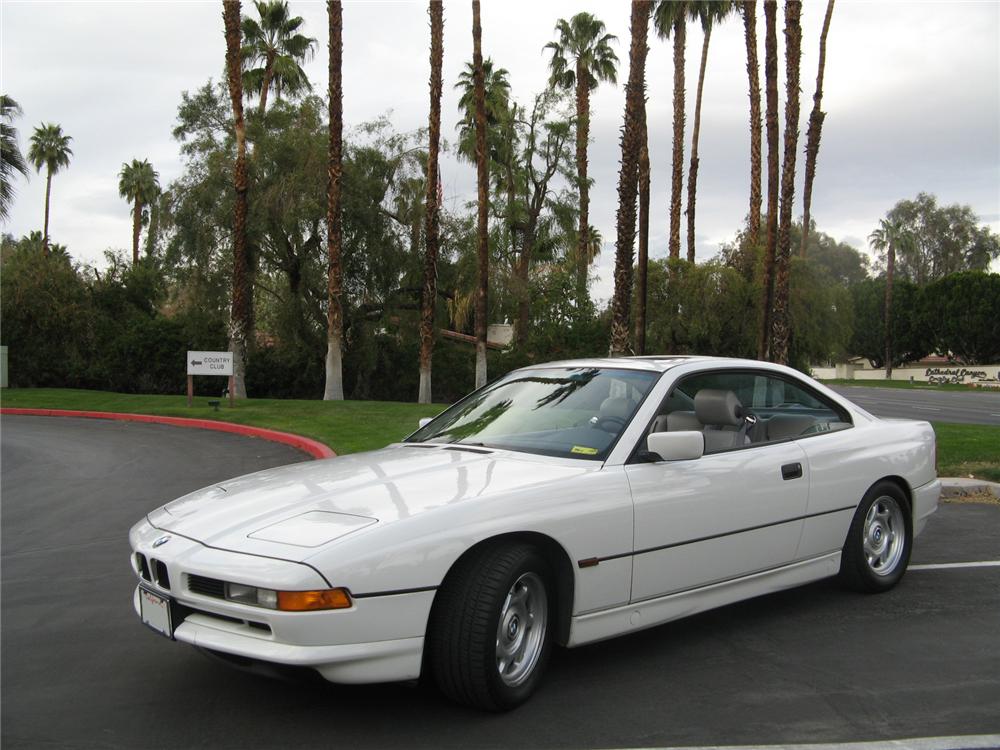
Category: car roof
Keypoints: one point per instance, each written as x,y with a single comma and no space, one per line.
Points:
653,363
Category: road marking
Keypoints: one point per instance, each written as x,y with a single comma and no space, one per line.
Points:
927,408
949,566
960,742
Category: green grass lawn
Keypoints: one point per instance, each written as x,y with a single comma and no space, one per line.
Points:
968,449
351,426
345,426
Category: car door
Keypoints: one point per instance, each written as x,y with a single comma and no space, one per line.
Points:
725,515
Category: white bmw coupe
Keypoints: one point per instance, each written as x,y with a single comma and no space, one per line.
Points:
562,504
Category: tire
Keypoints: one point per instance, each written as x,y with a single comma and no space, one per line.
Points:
878,544
490,629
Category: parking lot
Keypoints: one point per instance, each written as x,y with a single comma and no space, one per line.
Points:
816,664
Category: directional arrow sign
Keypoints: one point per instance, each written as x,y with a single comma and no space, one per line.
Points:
210,363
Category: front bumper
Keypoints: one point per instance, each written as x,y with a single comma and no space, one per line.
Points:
378,639
348,663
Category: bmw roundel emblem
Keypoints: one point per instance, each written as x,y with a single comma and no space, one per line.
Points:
161,541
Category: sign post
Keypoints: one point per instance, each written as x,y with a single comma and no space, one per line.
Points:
209,363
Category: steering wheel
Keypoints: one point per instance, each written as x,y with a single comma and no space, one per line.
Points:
616,423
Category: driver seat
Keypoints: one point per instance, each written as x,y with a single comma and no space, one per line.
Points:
617,408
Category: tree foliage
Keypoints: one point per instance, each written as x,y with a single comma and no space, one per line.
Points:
946,240
11,159
963,312
911,335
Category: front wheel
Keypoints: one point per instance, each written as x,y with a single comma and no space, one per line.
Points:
489,636
878,544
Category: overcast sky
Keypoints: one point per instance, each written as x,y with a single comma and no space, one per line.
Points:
912,95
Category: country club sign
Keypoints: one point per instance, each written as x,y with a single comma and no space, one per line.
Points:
210,363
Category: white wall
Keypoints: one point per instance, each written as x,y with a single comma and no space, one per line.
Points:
936,374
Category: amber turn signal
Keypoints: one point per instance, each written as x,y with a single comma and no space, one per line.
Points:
303,601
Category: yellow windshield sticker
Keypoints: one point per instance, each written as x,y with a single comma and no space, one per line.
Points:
584,450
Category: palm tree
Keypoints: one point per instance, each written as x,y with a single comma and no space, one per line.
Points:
750,34
771,118
482,174
431,220
628,175
643,262
581,59
334,388
11,159
888,238
816,118
50,149
782,260
276,49
241,312
709,12
497,88
670,17
138,184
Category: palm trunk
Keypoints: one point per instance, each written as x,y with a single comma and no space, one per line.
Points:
582,136
334,388
266,83
643,262
793,54
890,266
816,118
628,177
771,118
431,219
241,311
482,233
750,33
695,132
677,175
153,232
136,229
48,194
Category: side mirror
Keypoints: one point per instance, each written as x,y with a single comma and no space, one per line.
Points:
424,422
676,446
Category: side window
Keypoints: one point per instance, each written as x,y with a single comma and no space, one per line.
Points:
788,410
737,409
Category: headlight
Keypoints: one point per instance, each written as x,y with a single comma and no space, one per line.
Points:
237,592
288,601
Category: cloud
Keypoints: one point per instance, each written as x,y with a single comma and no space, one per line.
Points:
912,96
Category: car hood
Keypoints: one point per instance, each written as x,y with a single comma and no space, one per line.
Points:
292,511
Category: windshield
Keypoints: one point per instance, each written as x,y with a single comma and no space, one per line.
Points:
574,412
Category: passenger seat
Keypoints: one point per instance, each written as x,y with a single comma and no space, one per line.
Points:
722,414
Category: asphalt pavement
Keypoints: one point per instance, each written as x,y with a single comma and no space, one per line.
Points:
816,664
974,407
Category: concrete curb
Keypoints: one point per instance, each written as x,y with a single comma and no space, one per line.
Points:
314,448
964,487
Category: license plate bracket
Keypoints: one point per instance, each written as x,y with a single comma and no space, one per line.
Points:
156,612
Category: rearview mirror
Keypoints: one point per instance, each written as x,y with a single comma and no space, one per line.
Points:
424,422
676,446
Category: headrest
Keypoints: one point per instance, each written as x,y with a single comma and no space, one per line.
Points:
718,408
617,407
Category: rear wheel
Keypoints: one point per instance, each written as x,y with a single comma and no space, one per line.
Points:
878,544
489,636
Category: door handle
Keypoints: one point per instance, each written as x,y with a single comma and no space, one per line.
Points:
791,471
